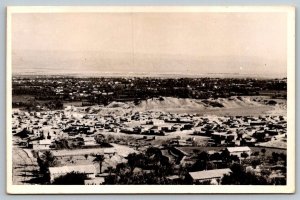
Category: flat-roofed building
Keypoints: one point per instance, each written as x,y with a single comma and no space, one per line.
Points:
40,144
213,176
238,151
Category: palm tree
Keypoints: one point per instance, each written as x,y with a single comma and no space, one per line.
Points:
99,158
47,160
263,151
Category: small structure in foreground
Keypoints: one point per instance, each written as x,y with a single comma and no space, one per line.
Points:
89,170
213,176
237,151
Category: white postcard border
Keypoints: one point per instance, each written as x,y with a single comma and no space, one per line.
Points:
157,189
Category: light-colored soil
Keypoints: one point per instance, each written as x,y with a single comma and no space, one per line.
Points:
243,106
275,143
234,106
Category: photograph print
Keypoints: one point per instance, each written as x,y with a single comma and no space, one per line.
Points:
150,99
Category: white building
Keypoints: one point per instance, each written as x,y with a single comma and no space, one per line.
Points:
238,151
214,176
89,141
40,144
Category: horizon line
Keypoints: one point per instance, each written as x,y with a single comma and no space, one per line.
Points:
154,75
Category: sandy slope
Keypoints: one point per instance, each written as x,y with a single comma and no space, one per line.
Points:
228,106
221,106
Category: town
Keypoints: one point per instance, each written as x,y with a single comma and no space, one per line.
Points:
92,131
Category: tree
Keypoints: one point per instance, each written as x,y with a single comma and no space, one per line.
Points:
263,151
132,161
62,144
45,161
275,157
153,155
86,156
204,157
225,156
256,153
121,168
72,178
23,134
196,151
100,139
238,176
42,136
215,156
244,155
136,101
201,163
255,162
48,136
99,158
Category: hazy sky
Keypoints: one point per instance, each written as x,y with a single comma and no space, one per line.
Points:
154,43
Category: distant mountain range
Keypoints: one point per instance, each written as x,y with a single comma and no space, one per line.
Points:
155,75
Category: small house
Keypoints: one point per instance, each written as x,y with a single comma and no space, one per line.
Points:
237,151
40,144
213,176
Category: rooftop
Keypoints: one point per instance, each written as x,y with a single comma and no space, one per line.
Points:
238,149
209,174
87,169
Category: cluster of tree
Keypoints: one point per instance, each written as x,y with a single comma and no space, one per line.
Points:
150,167
98,158
60,144
72,178
204,161
102,140
35,105
142,178
136,89
239,176
153,168
46,160
278,157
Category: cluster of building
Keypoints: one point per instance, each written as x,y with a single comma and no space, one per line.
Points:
81,126
77,122
105,90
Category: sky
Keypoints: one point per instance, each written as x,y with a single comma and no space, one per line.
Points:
150,43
